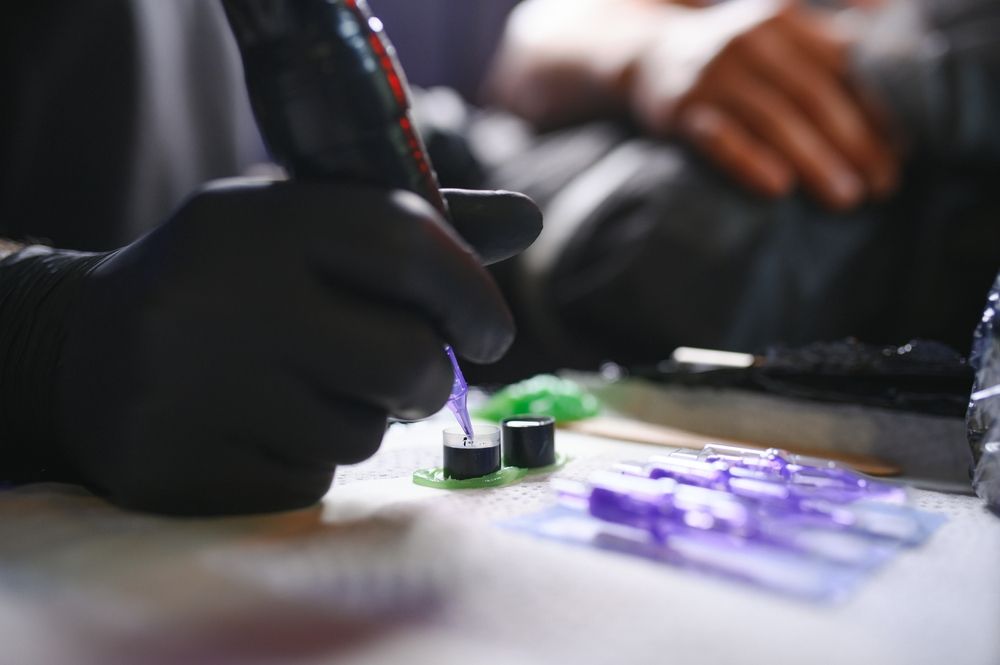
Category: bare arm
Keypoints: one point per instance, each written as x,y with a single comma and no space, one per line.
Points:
760,87
560,62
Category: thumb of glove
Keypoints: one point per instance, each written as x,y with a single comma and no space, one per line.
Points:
496,224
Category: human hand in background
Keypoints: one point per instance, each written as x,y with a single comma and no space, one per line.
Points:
229,360
762,89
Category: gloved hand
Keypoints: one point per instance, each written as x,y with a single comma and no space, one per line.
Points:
229,360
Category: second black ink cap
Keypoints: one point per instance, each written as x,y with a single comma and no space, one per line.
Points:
528,441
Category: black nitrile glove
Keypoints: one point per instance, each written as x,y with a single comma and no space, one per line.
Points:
229,360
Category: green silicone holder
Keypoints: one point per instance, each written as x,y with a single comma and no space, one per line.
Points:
508,475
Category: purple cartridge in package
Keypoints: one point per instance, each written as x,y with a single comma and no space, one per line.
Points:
791,523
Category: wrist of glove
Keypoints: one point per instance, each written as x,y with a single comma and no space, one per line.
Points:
38,287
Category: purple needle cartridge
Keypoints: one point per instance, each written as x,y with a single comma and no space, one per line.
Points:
764,483
459,392
667,508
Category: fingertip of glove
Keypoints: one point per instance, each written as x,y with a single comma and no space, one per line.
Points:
495,203
497,224
491,346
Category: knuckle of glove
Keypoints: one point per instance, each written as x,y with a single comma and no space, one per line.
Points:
486,337
424,381
497,224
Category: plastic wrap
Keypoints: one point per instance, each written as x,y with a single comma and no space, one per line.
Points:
984,406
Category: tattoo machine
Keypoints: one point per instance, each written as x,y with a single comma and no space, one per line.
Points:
331,101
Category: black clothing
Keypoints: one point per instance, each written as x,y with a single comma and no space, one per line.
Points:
126,106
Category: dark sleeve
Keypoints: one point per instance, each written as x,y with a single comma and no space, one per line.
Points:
112,112
936,64
67,120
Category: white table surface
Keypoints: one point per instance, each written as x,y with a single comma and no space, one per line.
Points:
388,572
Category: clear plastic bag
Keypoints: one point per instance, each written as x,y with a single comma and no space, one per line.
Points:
983,418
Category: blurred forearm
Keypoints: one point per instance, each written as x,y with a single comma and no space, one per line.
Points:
567,60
